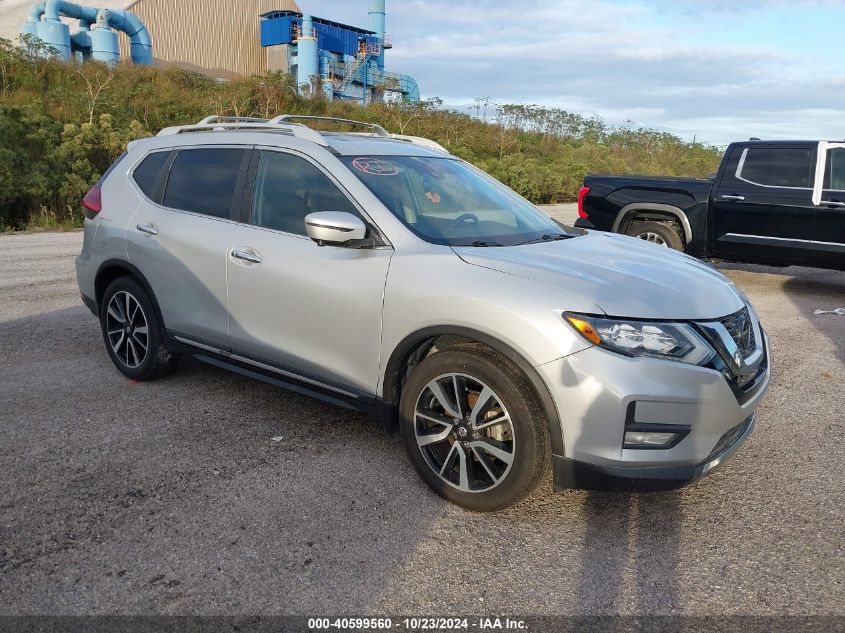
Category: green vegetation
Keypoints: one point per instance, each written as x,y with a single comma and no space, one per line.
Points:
61,126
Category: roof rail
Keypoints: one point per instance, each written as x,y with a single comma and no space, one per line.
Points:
284,123
209,124
375,127
419,140
231,119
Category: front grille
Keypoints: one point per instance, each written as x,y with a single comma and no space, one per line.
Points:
741,329
730,436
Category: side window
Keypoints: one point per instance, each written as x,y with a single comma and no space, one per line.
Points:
147,172
203,181
778,167
834,177
287,188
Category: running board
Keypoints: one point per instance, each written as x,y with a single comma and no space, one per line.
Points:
290,384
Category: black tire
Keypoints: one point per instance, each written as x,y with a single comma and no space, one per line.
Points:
665,231
530,446
126,347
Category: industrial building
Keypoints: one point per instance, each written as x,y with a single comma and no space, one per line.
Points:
224,39
342,61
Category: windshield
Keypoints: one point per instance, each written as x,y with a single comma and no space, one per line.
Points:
446,201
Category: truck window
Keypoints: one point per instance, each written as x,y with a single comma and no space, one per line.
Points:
777,167
834,177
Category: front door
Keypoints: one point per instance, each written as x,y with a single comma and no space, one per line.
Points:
315,311
827,243
762,209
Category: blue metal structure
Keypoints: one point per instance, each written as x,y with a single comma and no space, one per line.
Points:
95,39
342,61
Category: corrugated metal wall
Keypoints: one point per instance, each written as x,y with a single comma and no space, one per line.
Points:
220,38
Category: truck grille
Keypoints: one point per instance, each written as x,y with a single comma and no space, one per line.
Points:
741,329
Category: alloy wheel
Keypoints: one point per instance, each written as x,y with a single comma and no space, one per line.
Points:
127,329
654,238
464,432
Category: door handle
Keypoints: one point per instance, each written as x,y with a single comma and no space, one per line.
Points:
149,229
734,198
833,203
252,258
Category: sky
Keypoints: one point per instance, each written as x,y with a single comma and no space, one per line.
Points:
714,70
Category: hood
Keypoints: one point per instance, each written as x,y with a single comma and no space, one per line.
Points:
624,276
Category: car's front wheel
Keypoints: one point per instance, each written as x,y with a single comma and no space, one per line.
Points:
131,330
473,428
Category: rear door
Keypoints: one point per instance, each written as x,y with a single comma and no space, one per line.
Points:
827,243
179,236
762,207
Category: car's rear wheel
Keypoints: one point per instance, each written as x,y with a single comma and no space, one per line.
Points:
659,233
473,428
132,333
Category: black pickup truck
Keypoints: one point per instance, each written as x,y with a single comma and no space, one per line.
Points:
777,203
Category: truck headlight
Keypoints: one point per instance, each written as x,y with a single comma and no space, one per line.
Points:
670,341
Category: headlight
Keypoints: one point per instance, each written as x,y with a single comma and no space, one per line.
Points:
671,341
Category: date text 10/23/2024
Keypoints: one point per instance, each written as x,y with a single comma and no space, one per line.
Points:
418,624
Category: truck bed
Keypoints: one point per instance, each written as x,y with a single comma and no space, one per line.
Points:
611,198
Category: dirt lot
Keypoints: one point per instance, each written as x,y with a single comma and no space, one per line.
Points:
171,497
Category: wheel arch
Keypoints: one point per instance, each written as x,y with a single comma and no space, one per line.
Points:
629,211
416,346
112,269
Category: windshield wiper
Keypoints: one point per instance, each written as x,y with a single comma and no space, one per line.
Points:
548,237
482,243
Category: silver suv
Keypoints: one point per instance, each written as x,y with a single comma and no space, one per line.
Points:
378,272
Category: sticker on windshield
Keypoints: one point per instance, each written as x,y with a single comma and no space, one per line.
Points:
375,166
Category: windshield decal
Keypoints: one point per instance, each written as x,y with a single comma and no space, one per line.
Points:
375,166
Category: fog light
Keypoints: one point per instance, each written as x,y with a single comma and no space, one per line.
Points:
648,439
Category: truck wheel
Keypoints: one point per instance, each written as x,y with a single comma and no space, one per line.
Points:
660,233
473,428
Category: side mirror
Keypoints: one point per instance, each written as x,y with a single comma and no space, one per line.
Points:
335,228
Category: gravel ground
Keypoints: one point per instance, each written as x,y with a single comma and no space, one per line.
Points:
170,497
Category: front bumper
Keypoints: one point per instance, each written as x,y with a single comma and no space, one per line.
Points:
570,473
598,393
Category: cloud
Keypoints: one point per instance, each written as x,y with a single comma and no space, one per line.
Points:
694,68
694,7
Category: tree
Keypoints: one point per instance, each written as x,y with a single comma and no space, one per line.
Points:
62,125
96,77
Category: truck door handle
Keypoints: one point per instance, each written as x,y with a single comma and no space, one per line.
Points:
734,198
833,203
252,258
149,229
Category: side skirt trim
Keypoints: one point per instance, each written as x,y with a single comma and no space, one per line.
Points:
288,385
252,368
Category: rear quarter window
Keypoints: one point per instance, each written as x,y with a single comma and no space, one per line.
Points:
146,174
